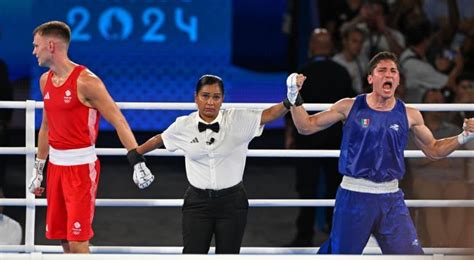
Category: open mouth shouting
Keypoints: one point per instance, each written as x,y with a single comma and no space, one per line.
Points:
387,86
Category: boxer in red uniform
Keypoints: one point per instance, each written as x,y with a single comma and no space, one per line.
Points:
74,98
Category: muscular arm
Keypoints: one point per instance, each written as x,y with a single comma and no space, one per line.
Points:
92,93
150,145
272,113
309,124
433,148
43,144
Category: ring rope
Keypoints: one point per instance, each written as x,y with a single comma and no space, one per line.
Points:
251,153
192,106
255,203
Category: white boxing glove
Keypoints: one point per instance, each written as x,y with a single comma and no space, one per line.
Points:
292,88
37,177
142,176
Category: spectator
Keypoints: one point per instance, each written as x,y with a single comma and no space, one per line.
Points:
446,13
350,58
467,51
420,74
405,13
333,14
380,37
463,93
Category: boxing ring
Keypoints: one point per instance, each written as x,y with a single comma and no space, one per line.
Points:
30,250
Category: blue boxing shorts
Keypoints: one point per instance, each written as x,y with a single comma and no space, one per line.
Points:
357,215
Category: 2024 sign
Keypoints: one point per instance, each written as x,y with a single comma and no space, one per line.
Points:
116,23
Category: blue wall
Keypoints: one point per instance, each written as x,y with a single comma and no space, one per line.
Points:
155,51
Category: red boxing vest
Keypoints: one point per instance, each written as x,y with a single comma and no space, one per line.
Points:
72,125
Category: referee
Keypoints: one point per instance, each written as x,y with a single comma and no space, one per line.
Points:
215,143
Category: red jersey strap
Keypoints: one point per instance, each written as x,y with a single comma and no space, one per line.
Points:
75,73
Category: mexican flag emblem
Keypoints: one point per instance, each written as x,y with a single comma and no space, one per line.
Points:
365,122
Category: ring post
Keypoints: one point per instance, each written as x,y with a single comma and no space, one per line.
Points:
30,159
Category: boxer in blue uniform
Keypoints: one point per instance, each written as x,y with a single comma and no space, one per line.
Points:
376,128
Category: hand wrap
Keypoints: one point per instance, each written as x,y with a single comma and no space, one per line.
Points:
292,88
465,136
134,157
37,176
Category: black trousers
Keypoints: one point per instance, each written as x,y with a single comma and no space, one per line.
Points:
221,213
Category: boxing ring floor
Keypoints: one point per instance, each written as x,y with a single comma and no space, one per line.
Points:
44,251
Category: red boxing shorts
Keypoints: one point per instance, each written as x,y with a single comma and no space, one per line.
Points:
71,193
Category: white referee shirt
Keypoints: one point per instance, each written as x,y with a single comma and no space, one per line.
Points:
214,160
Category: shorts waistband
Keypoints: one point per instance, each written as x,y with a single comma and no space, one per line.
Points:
366,186
218,193
71,157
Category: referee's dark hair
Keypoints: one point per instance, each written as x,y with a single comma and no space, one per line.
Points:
209,79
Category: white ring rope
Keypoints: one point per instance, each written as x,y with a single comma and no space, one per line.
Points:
31,202
251,153
254,203
192,106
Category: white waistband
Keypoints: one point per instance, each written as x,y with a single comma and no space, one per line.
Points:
363,185
72,156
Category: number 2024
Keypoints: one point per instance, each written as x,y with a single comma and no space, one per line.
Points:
79,17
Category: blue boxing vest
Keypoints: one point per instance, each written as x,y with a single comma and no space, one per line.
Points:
373,142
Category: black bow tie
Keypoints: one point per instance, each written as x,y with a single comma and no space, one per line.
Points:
214,127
